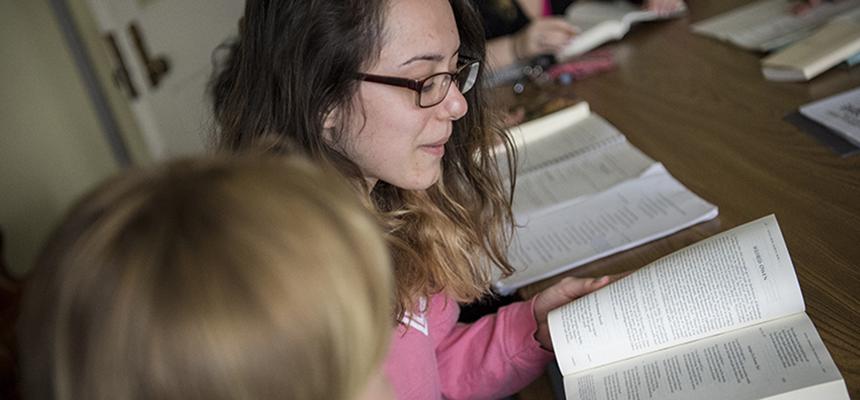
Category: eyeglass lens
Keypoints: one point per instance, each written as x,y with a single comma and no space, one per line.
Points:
436,88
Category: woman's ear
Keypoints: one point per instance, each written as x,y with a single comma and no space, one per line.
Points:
331,119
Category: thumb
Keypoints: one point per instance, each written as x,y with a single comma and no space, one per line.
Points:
565,291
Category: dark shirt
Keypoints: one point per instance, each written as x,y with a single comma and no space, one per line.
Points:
504,17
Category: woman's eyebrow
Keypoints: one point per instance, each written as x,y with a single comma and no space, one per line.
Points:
436,57
424,57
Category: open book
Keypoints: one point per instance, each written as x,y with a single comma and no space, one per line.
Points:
584,192
831,44
721,319
602,21
767,25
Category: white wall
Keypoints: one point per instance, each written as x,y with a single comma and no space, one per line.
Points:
51,145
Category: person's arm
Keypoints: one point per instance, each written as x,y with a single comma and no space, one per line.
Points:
542,36
502,51
533,9
493,357
503,352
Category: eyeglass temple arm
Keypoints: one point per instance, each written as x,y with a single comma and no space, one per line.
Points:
390,80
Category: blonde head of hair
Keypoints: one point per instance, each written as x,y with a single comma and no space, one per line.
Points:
210,279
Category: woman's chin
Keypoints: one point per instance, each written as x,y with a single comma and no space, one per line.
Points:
420,182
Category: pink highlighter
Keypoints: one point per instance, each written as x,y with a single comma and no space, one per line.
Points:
586,65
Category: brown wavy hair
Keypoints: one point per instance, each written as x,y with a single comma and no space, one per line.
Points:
294,62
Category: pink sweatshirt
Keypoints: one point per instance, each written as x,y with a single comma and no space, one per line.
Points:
438,358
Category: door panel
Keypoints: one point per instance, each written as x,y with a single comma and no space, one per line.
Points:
173,115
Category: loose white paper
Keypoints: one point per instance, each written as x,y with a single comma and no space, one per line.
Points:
841,113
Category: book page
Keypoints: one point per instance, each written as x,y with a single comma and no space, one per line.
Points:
631,213
547,126
588,134
840,113
602,21
737,278
769,24
781,357
568,181
588,14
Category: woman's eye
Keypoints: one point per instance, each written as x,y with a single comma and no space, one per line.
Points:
428,86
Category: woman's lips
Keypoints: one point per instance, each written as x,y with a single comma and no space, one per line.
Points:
436,148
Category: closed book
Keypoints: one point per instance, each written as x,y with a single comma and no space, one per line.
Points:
832,44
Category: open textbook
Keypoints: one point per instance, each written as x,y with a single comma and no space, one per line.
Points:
584,192
833,43
767,25
603,21
721,319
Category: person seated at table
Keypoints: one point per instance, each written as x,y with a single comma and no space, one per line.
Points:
519,30
392,94
211,279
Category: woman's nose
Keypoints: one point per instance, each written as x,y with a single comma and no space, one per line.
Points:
454,105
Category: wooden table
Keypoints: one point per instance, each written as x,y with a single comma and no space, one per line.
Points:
702,108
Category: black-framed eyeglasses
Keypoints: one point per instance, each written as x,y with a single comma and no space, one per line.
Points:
432,89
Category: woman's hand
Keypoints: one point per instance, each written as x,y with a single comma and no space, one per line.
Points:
804,6
567,290
542,36
663,7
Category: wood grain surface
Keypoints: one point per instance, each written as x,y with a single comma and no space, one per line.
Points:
703,109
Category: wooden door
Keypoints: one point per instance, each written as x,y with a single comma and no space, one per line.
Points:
163,51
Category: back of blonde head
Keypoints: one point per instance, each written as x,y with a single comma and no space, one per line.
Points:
210,279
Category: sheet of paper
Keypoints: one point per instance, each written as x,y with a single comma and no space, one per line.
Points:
841,113
773,358
769,24
633,212
737,278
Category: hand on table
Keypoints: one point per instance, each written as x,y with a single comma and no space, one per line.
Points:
663,7
804,6
543,36
563,292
